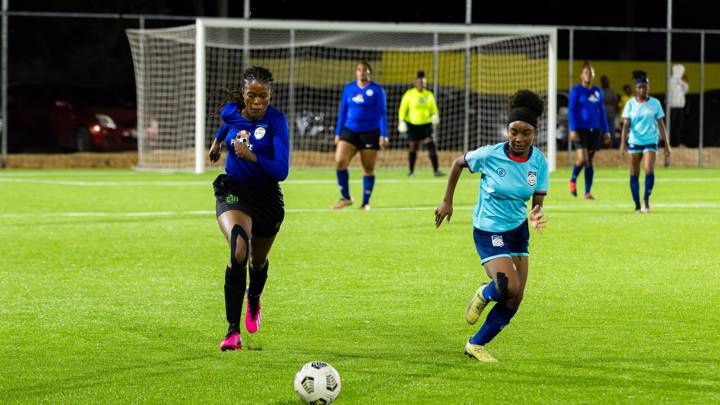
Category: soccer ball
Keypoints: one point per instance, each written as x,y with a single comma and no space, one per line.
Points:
317,383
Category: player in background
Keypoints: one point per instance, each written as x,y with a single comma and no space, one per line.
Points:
587,119
512,172
643,121
361,126
249,202
418,116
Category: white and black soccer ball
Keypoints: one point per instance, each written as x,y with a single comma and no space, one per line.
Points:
317,382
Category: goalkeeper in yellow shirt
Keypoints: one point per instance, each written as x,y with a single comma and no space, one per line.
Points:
418,115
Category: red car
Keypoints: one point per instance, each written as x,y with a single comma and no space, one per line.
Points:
46,118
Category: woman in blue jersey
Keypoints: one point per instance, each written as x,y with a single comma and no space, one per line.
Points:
361,126
587,119
249,203
643,120
512,172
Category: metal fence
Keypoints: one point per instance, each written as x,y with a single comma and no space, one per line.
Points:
31,54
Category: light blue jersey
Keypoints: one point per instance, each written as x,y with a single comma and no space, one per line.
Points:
643,120
505,186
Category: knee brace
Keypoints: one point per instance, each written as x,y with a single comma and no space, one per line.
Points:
502,287
237,230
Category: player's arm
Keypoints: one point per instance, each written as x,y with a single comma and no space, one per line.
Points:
603,119
382,107
434,112
571,115
218,142
537,215
446,206
625,127
402,113
663,135
342,115
279,166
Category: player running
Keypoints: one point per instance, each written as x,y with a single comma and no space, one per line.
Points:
643,120
417,117
512,173
249,202
361,126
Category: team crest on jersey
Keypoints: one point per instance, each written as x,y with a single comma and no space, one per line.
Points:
532,178
497,241
358,98
593,98
501,172
259,133
369,92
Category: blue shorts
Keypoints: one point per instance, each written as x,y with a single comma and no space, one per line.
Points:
634,148
491,245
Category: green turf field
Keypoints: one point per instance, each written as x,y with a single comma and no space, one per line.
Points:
111,292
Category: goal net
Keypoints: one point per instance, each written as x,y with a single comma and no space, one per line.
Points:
472,70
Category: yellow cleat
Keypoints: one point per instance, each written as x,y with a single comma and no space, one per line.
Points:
479,353
342,203
476,306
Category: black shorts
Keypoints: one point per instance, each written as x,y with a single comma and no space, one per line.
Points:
263,204
590,139
419,132
362,140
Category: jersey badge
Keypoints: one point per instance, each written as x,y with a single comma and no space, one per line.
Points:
369,92
358,98
532,178
259,133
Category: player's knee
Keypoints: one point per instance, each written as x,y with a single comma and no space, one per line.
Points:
342,163
239,242
369,172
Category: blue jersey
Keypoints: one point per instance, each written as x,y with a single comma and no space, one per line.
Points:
505,185
586,109
362,109
643,120
268,140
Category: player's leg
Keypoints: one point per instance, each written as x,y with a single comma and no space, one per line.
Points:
368,158
344,153
580,158
432,154
236,226
592,146
635,159
649,165
412,155
258,272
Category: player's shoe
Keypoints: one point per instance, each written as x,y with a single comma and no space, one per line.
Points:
645,210
253,313
476,306
438,173
588,196
479,353
365,207
411,175
342,203
232,340
573,189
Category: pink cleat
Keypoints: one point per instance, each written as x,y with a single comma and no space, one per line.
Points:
253,313
232,341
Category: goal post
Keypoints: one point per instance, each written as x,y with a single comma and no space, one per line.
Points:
472,69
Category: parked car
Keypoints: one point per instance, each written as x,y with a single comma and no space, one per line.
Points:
48,117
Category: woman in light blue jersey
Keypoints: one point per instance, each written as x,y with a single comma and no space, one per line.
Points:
643,121
513,172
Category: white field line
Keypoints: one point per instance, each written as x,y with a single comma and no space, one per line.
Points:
550,208
208,183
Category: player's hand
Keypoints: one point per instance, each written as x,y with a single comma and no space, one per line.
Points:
242,146
402,127
215,151
606,138
444,210
435,119
574,136
537,218
623,150
668,151
337,140
383,142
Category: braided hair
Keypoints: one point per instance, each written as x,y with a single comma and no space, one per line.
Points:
253,73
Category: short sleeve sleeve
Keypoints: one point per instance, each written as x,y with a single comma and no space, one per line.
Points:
659,114
543,179
626,110
475,159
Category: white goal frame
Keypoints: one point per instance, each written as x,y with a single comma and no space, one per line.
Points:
290,25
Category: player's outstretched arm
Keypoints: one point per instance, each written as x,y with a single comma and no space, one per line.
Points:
537,215
446,206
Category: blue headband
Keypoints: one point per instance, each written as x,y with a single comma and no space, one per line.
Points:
642,80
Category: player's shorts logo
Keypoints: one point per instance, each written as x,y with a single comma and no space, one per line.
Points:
259,133
231,199
532,178
497,241
501,172
369,92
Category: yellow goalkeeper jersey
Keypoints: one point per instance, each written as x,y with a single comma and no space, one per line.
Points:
416,107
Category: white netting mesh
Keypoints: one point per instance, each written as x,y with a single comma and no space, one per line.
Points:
310,69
